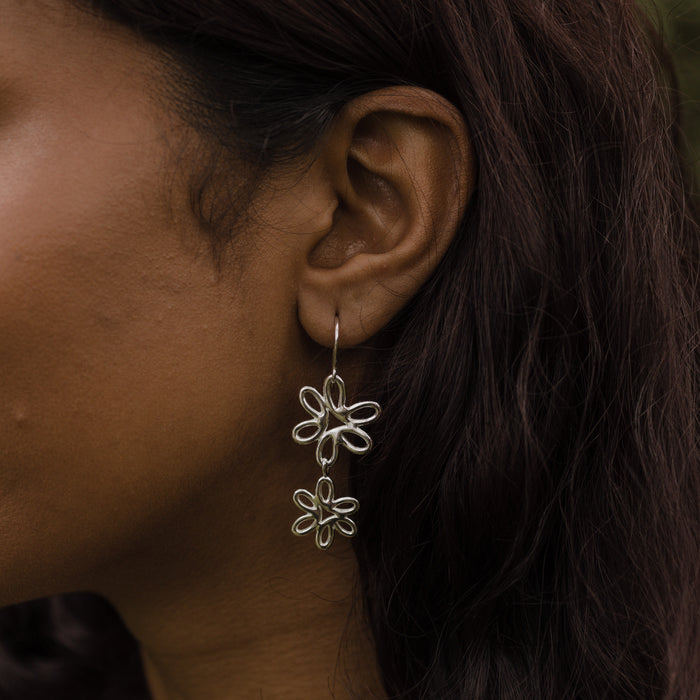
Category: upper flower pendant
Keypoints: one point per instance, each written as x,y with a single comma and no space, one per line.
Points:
331,404
324,513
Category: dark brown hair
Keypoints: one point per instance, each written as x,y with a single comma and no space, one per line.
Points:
531,515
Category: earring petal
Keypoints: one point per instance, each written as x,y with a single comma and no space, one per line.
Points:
346,527
306,501
330,436
308,396
324,536
356,440
325,491
304,524
345,506
299,428
363,412
337,402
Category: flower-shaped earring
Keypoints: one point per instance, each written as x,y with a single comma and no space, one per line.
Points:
323,513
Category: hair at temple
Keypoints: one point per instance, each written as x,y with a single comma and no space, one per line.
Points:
533,500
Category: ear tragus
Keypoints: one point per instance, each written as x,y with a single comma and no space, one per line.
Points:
373,206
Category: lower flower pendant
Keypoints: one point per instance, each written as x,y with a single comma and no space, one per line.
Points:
324,513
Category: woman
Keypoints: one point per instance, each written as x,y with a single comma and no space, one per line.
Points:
482,203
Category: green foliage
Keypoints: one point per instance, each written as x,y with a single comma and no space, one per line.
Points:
680,21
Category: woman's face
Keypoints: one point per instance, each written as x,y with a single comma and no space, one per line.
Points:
132,373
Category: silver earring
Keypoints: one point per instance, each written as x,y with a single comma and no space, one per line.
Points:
323,512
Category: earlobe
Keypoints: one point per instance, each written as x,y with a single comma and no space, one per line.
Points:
401,165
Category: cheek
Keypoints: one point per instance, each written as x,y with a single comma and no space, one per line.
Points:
126,363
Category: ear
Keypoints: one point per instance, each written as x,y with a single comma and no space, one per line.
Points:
400,164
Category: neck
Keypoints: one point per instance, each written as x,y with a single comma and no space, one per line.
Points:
280,640
252,612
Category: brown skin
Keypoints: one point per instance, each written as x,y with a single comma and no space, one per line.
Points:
148,399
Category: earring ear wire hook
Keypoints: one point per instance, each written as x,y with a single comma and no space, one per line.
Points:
334,362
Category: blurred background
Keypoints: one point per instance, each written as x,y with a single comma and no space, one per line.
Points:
680,22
